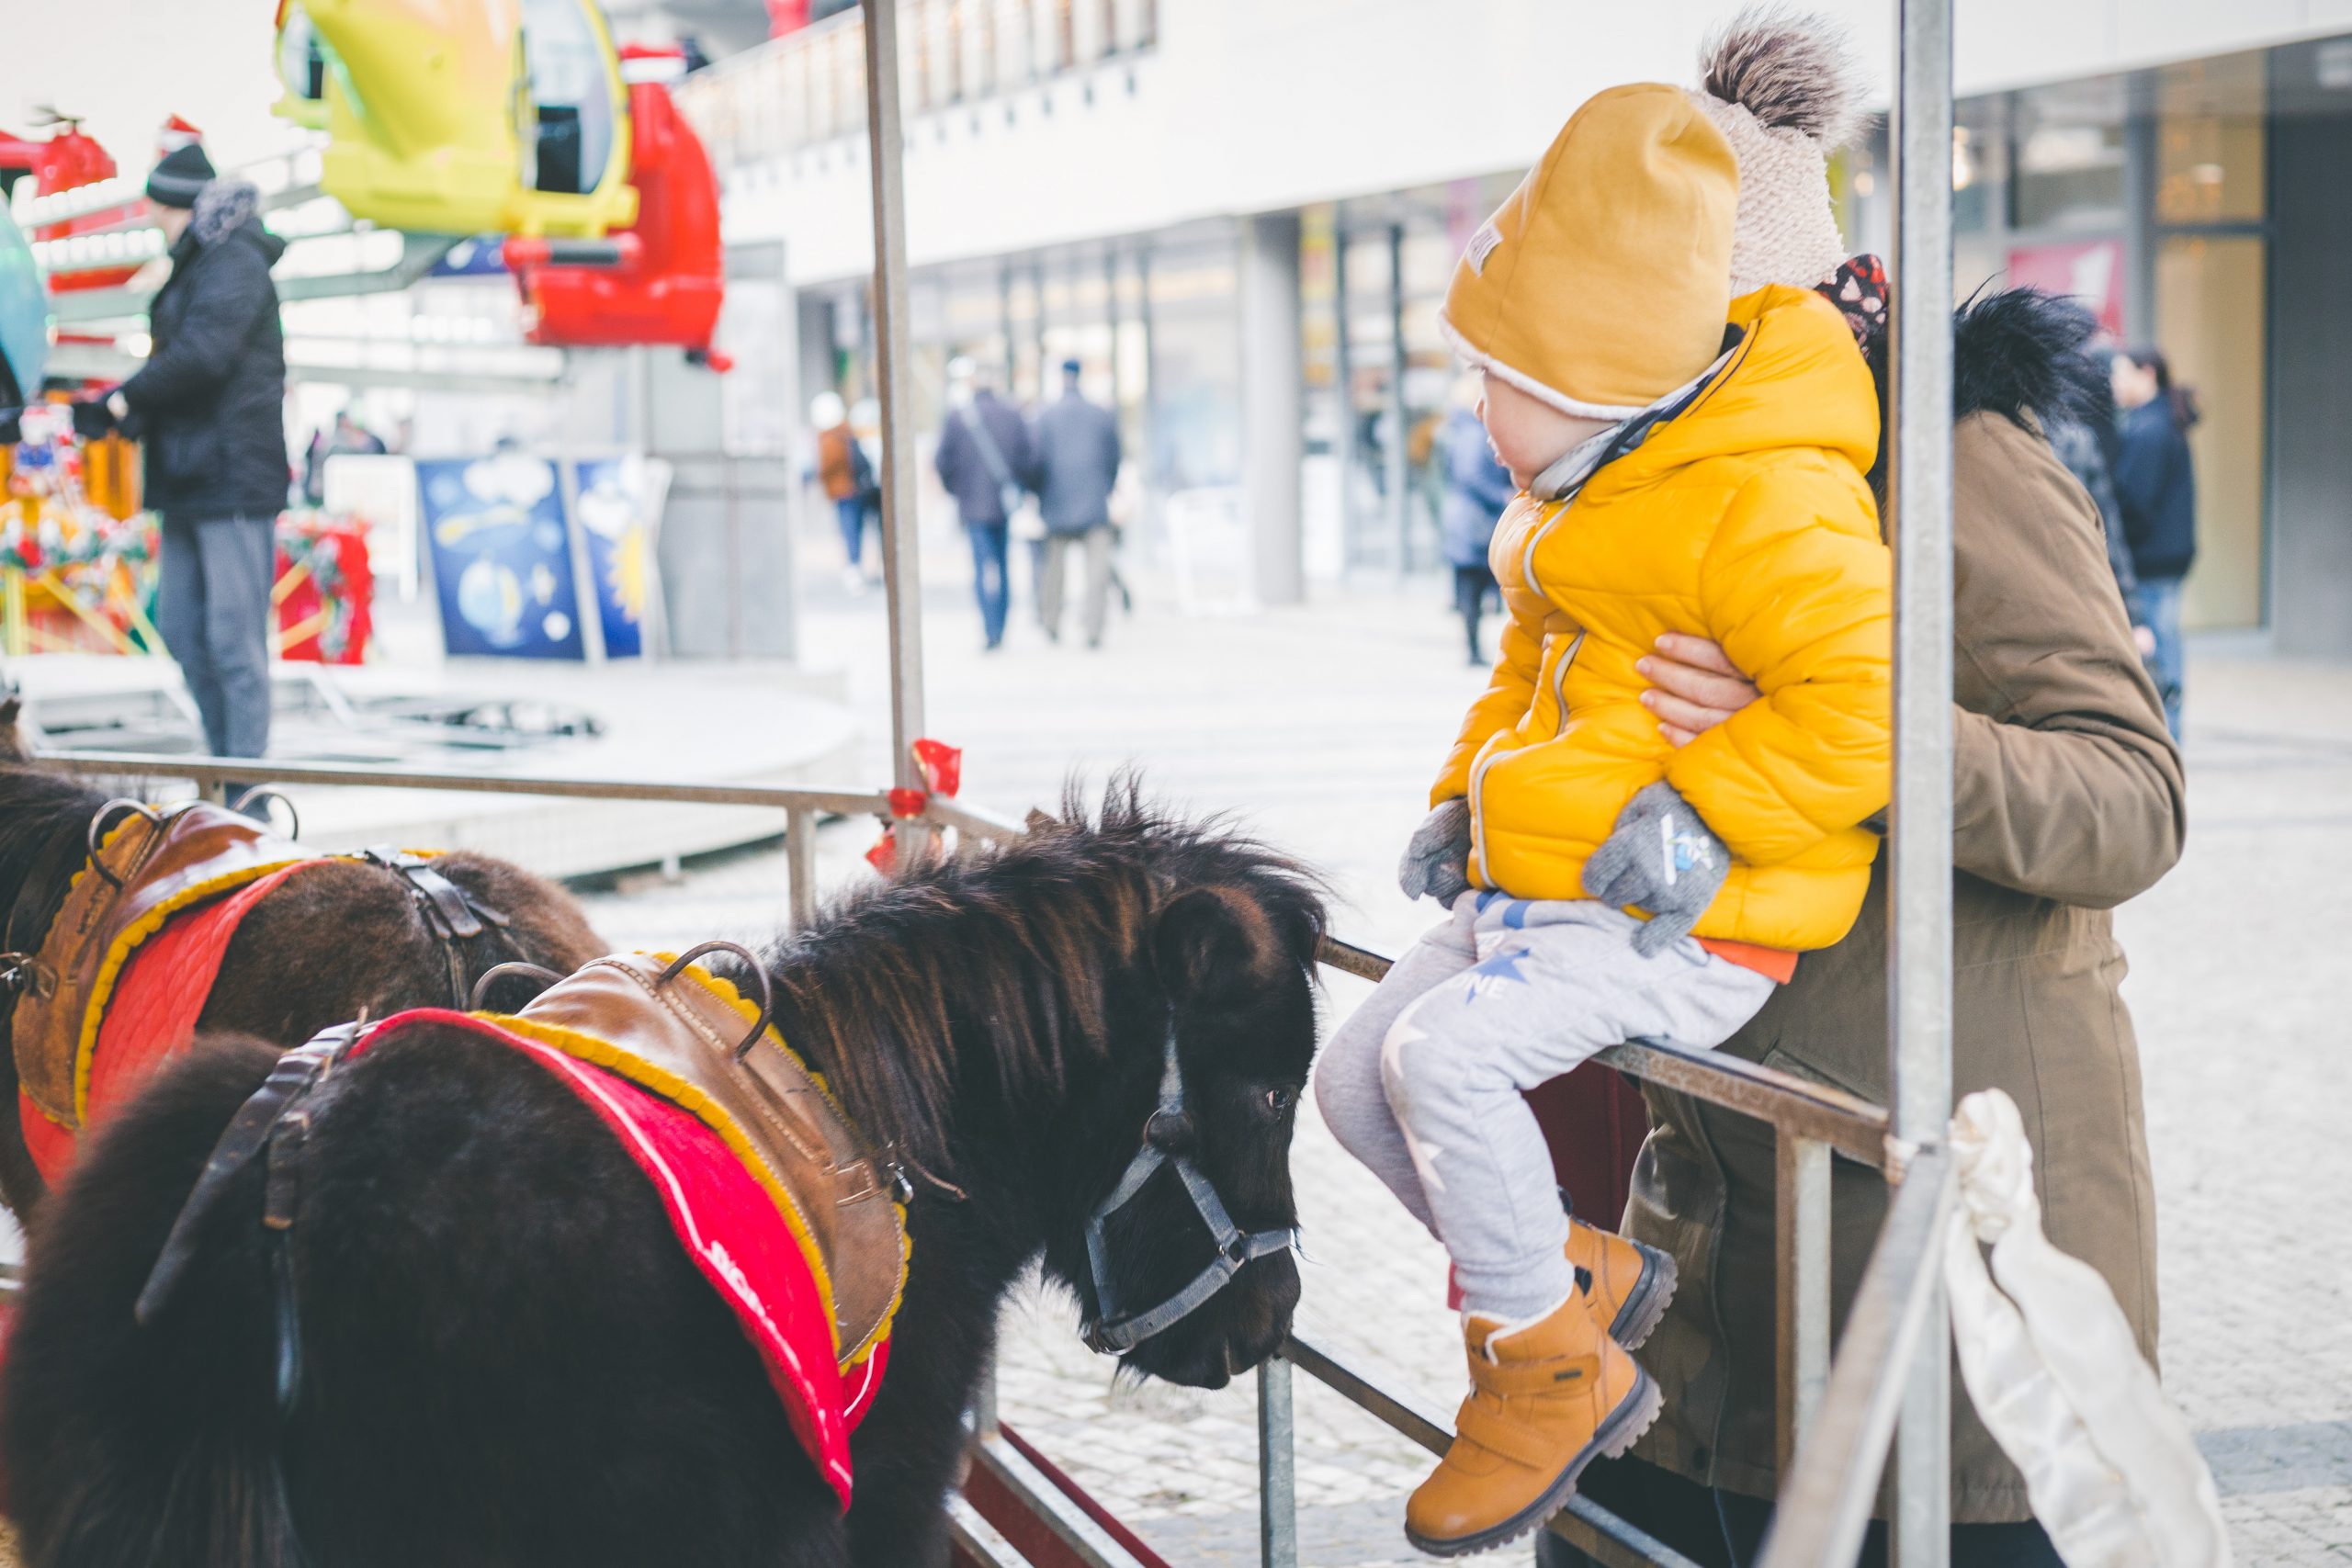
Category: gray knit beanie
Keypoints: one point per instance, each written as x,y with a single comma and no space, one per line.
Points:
1784,90
180,177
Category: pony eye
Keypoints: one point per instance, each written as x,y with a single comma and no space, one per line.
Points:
1279,1098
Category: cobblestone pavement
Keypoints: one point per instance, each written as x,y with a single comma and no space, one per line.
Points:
1320,727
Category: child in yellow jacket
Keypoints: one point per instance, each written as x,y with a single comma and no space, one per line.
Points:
1688,463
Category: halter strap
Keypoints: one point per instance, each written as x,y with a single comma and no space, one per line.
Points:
1236,1250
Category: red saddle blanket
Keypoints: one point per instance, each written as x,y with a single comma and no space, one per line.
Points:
149,1014
731,1229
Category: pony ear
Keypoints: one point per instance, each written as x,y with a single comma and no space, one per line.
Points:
1209,946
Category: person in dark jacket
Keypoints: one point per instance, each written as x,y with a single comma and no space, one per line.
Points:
2155,485
985,459
1477,488
2078,446
1077,465
208,408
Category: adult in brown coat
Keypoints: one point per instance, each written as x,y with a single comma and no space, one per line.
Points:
2068,800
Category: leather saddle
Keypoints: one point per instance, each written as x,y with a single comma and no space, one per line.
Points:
150,865
689,1031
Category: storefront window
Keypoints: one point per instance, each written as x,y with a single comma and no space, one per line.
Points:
2070,157
2210,140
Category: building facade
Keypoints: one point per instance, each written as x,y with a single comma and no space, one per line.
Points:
1241,218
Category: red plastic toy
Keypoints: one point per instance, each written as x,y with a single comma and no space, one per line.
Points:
69,159
657,281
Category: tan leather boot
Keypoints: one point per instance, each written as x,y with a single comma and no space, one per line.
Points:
1629,1284
1546,1399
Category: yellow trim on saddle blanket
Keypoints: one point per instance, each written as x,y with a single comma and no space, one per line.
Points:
126,943
687,1098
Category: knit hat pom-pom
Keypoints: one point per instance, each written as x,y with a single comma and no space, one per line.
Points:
1792,71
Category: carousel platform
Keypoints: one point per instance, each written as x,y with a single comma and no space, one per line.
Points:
733,723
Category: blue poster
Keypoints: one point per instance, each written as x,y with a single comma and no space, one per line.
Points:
501,557
613,505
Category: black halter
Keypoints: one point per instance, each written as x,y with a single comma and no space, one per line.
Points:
1113,1331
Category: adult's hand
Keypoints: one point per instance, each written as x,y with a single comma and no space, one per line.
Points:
1694,686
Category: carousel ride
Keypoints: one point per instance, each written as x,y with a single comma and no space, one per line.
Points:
440,139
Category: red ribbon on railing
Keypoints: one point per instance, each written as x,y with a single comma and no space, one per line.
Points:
942,766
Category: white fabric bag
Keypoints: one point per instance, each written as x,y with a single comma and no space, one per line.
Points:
2052,1365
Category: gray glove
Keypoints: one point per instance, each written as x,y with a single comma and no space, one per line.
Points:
1660,858
1437,857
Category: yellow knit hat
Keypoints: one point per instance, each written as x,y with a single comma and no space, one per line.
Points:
1602,283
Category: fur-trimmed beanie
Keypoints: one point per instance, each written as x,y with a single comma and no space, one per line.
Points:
1785,92
1600,285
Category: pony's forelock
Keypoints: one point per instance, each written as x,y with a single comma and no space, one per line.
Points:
1018,947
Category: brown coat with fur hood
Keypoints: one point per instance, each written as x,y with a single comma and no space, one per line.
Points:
2068,801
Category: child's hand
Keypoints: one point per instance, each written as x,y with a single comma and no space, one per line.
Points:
1661,858
1437,857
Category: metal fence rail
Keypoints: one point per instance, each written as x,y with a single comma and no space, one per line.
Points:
1834,1422
213,776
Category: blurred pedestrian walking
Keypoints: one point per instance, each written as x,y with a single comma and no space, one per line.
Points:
209,408
849,483
2155,485
986,460
1077,465
346,435
1477,488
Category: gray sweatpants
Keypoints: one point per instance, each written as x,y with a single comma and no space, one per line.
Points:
1422,1082
1096,542
212,608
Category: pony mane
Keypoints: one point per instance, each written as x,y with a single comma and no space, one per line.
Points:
37,807
1016,950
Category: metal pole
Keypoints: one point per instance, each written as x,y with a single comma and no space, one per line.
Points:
1919,946
1802,1306
901,582
1277,1459
800,868
1343,372
1400,509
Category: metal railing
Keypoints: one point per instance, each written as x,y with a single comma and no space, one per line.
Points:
801,806
809,87
1834,1422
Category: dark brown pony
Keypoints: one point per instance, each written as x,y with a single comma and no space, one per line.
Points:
497,1352
335,942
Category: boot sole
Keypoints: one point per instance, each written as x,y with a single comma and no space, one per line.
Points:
1624,1427
1652,1293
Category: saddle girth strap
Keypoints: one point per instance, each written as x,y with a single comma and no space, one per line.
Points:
271,1125
449,912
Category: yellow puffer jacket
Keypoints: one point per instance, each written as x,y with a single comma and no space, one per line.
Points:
1745,519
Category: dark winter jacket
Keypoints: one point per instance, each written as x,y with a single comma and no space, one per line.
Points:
2085,458
2067,800
1077,464
979,488
1476,489
2157,488
209,405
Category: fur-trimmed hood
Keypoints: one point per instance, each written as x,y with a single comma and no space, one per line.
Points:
2015,353
227,207
2023,350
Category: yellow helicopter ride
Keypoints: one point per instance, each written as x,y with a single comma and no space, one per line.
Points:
463,117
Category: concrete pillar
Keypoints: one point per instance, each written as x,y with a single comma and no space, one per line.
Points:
1271,411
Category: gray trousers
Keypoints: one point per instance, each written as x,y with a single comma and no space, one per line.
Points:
1096,542
1422,1082
212,608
